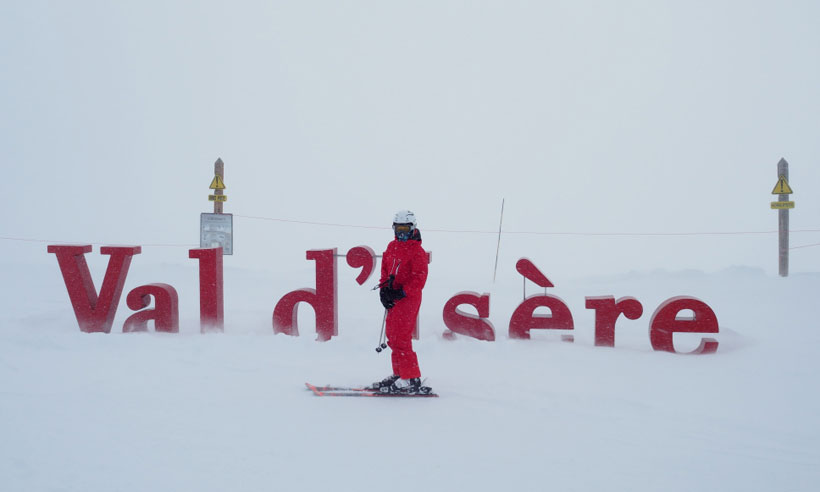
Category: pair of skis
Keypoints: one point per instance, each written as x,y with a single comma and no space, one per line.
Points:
362,392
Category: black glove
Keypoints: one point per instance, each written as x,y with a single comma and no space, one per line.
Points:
389,296
384,296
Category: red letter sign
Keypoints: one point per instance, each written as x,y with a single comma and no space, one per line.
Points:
665,323
531,272
95,314
469,324
607,310
523,319
362,257
323,300
211,300
165,313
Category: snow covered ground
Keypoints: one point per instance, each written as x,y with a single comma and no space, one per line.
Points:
135,412
635,144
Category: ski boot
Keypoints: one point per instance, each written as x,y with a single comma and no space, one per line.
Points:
384,383
408,387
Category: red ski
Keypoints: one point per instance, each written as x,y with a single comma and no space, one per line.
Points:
313,387
363,392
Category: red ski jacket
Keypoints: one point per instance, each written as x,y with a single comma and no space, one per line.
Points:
407,260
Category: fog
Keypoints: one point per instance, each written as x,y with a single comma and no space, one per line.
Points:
585,117
634,145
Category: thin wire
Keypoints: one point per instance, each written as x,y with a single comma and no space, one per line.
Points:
95,243
806,246
543,233
457,231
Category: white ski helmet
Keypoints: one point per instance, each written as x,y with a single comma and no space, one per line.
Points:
405,217
404,223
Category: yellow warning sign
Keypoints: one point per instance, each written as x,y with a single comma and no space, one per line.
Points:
217,183
782,187
782,205
222,198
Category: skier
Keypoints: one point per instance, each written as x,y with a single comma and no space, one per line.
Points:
403,275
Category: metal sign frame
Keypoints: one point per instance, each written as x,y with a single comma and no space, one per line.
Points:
216,230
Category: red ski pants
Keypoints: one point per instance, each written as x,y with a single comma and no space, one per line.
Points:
401,321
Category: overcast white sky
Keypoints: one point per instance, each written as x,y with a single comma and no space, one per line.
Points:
606,117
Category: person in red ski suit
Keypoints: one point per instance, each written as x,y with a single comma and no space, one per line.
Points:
403,275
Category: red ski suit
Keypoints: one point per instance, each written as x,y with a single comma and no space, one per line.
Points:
407,260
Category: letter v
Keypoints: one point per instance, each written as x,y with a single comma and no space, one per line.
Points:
95,314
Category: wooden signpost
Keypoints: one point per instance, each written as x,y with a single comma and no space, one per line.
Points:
216,229
783,205
218,184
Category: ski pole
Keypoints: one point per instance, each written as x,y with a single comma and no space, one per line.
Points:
382,336
389,282
385,283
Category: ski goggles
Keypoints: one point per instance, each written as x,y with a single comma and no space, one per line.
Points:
403,228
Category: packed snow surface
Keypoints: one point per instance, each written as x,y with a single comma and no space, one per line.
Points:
216,412
634,145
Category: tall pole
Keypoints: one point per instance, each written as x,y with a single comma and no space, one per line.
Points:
783,222
219,170
498,247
